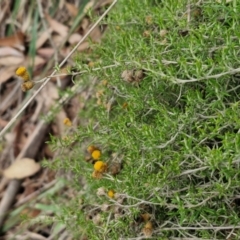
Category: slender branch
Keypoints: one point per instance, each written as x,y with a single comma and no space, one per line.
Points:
202,228
230,72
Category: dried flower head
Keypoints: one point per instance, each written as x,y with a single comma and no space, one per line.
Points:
99,93
23,73
146,34
91,64
99,101
118,209
111,193
101,191
115,168
119,197
97,219
91,148
148,20
96,174
146,217
100,166
125,105
133,76
127,75
148,229
27,86
138,75
67,122
163,33
104,82
96,154
105,207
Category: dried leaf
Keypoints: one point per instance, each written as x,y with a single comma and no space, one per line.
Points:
96,34
3,123
6,51
43,38
72,9
57,26
37,61
84,46
10,61
6,73
22,168
57,39
74,38
16,41
45,52
31,212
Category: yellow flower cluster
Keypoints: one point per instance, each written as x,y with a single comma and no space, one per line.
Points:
23,73
27,86
99,166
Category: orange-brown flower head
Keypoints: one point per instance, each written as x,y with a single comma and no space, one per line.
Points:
27,86
148,229
91,148
96,174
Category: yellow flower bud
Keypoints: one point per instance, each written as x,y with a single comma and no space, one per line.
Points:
23,73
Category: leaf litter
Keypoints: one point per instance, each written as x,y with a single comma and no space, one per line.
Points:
26,140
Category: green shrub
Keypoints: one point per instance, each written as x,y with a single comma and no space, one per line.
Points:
174,132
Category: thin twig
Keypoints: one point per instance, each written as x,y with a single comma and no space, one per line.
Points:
202,228
81,72
55,71
230,72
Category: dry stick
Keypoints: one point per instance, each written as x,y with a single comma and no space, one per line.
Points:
54,72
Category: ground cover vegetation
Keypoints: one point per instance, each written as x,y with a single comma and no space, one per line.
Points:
157,151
